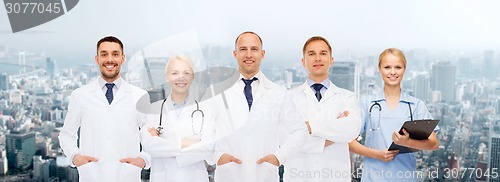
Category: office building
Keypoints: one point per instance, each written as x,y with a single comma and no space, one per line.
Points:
20,150
464,66
3,161
51,68
4,81
443,80
494,146
422,87
41,168
345,75
489,68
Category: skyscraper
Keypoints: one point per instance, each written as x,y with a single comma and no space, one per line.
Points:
494,146
4,81
295,78
422,87
464,66
345,75
489,65
41,168
20,149
51,67
443,80
3,161
22,57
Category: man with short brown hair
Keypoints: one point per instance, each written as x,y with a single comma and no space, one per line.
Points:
331,115
104,112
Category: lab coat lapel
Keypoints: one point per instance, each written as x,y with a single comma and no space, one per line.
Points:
173,123
122,93
261,90
238,107
257,108
330,92
308,91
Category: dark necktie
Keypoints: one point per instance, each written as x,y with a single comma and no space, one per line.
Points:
248,91
317,87
109,92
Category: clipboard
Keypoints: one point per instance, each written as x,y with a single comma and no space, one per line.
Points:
418,130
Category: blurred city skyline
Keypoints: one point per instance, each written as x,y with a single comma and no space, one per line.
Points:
452,47
353,27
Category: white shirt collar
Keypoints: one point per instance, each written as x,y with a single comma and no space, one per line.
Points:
325,83
117,82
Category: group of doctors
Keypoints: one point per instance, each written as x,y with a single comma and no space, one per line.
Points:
248,130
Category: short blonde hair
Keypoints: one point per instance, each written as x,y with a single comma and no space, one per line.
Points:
393,51
181,58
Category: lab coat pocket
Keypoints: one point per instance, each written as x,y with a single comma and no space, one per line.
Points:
226,172
269,171
87,172
129,173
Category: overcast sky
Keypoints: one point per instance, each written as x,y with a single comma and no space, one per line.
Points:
283,25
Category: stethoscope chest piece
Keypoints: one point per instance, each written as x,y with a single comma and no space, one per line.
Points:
159,130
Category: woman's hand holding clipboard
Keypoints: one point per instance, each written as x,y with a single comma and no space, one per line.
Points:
416,130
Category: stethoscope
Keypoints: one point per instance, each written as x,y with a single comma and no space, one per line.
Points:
379,111
160,128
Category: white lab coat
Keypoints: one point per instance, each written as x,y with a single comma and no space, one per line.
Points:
168,161
107,132
249,136
317,163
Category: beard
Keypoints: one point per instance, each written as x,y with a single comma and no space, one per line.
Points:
108,75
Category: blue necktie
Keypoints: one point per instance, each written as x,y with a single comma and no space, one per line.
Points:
317,87
109,92
248,91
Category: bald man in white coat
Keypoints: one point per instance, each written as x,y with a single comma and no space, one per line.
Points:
251,114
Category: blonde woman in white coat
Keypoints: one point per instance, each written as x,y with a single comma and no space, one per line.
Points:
179,151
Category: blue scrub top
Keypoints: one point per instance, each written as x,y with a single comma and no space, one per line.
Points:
379,126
